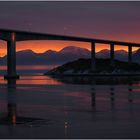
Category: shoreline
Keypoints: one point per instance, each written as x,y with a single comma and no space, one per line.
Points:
95,74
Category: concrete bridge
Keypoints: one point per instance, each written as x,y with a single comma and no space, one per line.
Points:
12,36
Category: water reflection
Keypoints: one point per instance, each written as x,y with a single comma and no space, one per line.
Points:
72,105
112,100
98,80
93,96
95,93
130,90
12,117
112,94
130,99
117,95
11,105
66,129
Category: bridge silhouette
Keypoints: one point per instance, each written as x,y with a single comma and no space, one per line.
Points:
12,36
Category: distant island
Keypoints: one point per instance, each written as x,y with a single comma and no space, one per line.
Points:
83,67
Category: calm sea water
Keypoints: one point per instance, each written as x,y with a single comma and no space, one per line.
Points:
29,69
70,107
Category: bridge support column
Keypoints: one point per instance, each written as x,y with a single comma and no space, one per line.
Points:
11,57
93,58
112,62
129,54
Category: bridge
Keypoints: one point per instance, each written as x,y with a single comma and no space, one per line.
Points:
12,36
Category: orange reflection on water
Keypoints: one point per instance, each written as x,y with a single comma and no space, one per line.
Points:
38,80
33,80
31,67
14,119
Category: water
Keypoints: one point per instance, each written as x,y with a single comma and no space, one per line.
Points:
44,107
29,69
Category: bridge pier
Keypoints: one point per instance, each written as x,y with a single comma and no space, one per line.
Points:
11,57
93,58
129,54
112,62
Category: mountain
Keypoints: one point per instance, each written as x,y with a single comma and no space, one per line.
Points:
103,54
23,57
119,54
26,52
72,50
49,53
26,56
136,56
67,54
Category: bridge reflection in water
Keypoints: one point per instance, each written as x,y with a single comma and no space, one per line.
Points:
11,105
67,107
112,94
111,98
12,117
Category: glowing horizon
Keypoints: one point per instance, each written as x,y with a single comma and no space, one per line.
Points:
42,46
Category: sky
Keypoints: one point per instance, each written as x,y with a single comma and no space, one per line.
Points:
104,20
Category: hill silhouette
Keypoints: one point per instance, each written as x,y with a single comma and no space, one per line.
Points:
83,66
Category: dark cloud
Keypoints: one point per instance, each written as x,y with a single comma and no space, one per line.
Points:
110,20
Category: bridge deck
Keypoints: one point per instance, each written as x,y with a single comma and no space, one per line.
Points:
27,35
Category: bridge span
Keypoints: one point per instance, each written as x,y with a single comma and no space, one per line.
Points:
12,36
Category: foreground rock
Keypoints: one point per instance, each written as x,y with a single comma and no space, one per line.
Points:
83,67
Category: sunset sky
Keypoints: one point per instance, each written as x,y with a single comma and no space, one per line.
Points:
103,20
